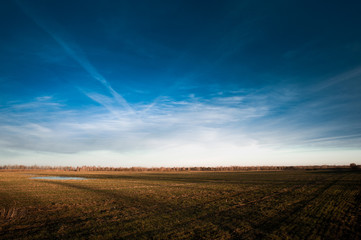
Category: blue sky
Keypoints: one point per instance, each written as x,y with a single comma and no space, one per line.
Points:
180,83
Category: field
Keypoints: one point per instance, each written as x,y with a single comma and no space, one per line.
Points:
183,205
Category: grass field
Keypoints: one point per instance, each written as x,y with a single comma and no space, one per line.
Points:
187,205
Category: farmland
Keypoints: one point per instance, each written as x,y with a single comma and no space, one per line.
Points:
295,204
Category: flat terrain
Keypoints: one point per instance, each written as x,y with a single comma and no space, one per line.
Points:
186,205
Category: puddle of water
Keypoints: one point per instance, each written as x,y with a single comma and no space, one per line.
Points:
60,178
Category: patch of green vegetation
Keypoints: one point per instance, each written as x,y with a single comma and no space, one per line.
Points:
184,205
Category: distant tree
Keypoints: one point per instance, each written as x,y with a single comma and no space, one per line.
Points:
354,166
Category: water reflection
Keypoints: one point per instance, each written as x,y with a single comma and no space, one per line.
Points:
59,178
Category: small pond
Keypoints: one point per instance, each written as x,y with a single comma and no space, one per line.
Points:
60,178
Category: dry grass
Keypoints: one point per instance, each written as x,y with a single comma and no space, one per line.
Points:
196,205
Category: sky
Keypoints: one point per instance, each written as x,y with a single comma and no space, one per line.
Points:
180,83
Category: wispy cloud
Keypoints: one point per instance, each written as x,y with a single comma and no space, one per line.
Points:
70,47
246,124
353,74
44,98
238,120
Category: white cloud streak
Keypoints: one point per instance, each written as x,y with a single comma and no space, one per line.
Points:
75,52
340,78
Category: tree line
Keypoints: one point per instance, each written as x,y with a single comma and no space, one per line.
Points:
178,169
